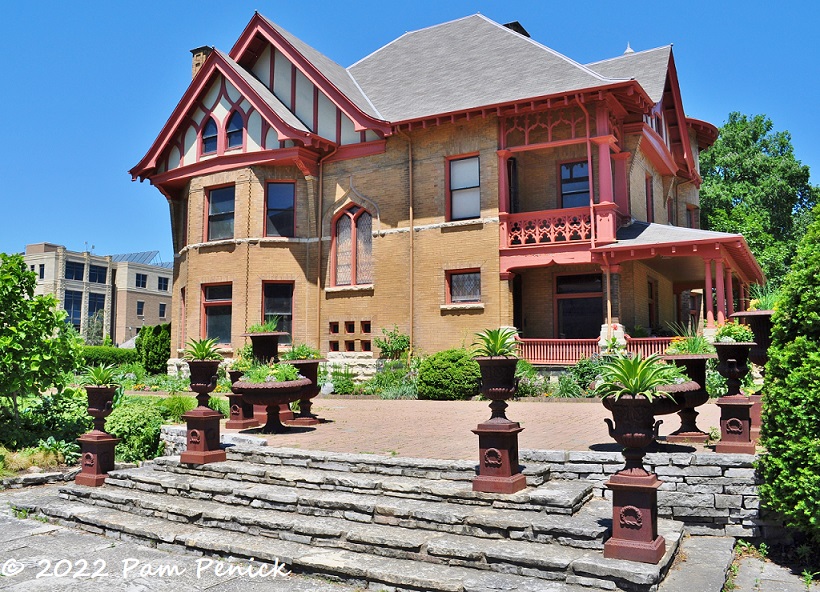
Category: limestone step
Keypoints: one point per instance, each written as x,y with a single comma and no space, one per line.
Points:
543,554
587,528
425,468
564,497
362,569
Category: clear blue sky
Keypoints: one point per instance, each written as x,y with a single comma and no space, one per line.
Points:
88,85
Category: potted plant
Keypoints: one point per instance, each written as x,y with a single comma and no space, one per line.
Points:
202,422
630,387
271,385
265,339
97,446
306,359
499,471
690,351
495,351
733,342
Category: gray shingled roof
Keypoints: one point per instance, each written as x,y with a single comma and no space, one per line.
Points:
336,74
266,95
647,67
639,234
467,63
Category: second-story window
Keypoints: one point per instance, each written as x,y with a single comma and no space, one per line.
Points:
209,136
220,213
465,188
142,280
574,184
279,216
234,130
353,246
162,284
97,274
74,270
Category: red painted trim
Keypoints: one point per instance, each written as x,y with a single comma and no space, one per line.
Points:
448,201
265,208
707,133
449,273
206,304
214,63
258,25
305,159
654,147
358,150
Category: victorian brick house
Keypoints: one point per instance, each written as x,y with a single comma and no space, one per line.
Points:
463,176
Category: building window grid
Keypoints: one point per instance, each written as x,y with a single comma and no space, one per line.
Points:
162,310
73,305
140,308
279,215
277,301
234,131
74,270
97,274
42,271
575,184
162,284
217,305
464,286
96,302
221,213
353,247
465,188
209,137
141,280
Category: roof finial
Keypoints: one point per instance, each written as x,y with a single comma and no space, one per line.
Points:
628,49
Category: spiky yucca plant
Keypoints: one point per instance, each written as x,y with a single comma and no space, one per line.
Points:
495,342
625,375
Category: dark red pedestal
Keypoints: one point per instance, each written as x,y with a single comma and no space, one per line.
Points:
755,414
635,518
285,414
203,437
97,457
498,457
735,425
241,414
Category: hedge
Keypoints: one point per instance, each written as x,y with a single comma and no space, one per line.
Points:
94,355
153,346
790,428
451,374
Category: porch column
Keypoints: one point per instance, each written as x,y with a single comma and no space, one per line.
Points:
744,302
603,139
613,291
620,181
707,296
721,291
730,296
503,182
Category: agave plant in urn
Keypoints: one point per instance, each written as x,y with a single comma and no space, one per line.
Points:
630,387
203,359
499,471
97,446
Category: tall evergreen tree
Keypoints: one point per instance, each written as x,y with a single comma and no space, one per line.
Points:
754,185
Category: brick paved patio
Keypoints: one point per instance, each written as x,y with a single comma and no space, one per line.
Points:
441,429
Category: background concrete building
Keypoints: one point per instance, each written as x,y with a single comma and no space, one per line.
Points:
119,293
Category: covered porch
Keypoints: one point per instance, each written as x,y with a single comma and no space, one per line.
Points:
653,277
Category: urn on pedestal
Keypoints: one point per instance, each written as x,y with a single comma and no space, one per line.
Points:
97,446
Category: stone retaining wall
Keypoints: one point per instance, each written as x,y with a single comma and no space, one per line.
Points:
713,494
174,437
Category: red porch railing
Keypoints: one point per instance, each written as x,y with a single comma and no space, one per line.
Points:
646,346
561,352
547,227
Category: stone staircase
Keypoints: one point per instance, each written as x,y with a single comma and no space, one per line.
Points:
374,522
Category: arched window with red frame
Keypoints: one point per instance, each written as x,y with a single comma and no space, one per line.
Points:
353,247
234,131
209,136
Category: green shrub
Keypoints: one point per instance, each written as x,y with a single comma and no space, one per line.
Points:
94,355
451,374
530,382
62,415
585,372
137,421
394,380
220,404
791,406
394,344
568,387
153,345
172,408
342,379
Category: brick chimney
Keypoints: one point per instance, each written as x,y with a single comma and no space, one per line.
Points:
200,54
